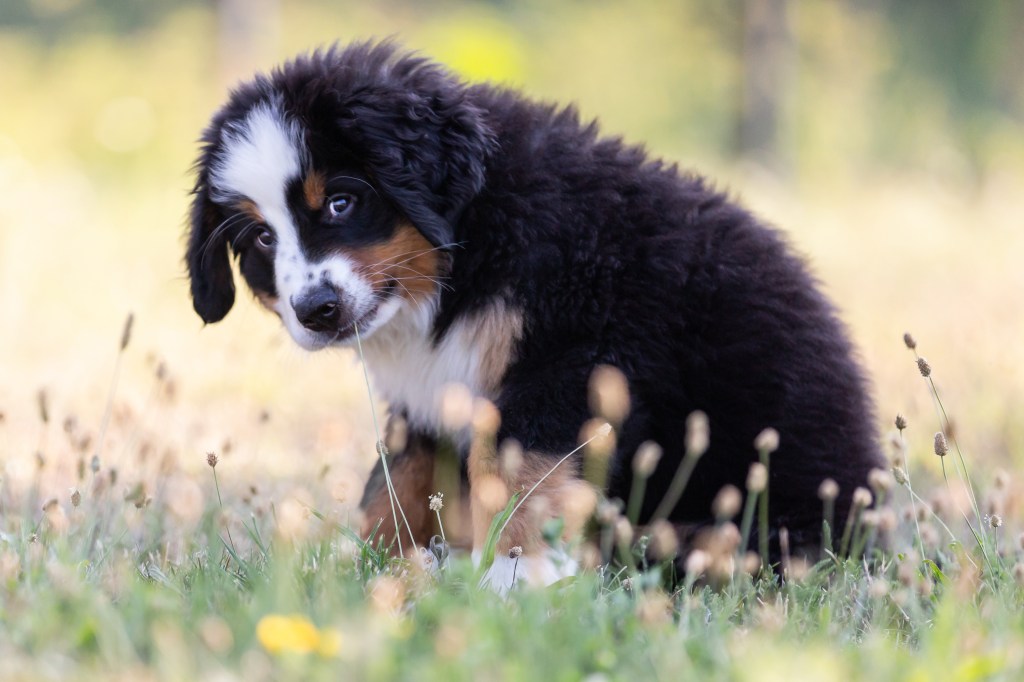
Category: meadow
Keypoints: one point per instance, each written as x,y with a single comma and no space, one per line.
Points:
128,552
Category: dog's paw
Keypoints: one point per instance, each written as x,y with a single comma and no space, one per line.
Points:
536,570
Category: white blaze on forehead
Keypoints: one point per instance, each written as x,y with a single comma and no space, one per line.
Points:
261,154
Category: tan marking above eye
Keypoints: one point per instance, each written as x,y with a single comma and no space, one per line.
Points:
250,210
313,189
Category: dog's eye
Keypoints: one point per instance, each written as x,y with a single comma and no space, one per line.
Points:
340,205
265,239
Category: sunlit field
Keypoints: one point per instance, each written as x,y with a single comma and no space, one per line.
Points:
124,553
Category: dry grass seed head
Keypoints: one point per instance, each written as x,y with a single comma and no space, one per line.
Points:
609,394
881,481
862,498
486,418
646,459
510,454
698,434
664,541
757,477
456,406
828,490
767,441
727,502
924,368
941,447
909,341
697,563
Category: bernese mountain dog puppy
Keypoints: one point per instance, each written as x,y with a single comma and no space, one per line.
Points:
476,238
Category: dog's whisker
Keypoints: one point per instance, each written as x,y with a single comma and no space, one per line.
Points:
408,255
211,240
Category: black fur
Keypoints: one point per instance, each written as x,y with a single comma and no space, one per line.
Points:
614,258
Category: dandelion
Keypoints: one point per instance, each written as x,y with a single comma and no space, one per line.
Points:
924,368
295,634
941,446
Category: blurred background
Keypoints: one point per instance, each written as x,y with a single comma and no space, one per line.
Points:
885,137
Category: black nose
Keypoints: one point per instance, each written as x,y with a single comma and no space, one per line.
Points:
318,309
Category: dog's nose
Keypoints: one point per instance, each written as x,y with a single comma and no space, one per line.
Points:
318,309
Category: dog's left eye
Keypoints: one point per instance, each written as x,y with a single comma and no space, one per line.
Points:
340,205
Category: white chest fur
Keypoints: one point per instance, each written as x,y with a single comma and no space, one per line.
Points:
411,370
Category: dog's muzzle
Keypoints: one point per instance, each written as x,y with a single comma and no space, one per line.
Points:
321,309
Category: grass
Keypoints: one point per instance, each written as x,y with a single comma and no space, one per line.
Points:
192,577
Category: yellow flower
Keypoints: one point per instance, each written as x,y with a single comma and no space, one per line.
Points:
296,634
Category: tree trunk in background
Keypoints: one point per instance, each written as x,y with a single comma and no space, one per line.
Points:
248,32
766,56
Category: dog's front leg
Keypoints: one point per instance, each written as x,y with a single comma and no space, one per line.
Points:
411,468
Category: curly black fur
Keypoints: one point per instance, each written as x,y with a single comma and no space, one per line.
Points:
613,257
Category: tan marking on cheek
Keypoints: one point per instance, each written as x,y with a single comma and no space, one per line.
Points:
313,190
250,210
407,257
496,334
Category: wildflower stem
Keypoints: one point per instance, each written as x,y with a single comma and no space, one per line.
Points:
748,520
762,532
676,487
636,497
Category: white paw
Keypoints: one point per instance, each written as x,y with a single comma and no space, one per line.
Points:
537,570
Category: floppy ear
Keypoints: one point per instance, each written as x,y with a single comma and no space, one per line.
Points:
213,288
425,143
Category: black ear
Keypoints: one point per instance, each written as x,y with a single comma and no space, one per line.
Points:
425,142
213,287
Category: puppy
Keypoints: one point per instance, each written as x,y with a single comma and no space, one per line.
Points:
476,239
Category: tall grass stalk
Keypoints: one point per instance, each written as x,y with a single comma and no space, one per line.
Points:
126,333
962,472
382,451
